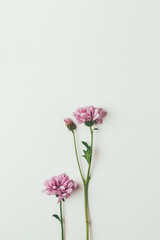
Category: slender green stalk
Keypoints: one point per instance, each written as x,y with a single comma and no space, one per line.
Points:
86,189
77,157
86,209
61,218
89,167
85,181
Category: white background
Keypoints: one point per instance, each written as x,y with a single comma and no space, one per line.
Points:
56,56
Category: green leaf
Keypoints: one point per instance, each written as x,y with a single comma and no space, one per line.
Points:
56,216
95,129
85,144
87,154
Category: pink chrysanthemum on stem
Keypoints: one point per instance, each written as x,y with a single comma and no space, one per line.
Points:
62,187
89,115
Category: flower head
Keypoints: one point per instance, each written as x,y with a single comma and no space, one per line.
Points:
89,115
60,185
70,124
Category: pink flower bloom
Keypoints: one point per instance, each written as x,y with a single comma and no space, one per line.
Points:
60,185
89,115
70,124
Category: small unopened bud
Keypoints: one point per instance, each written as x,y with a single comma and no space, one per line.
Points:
70,124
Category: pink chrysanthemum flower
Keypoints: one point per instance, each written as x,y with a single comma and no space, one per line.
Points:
89,115
60,185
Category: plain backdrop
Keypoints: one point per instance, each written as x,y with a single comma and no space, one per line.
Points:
56,56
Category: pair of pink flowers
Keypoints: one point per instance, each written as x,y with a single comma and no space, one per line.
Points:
60,185
88,115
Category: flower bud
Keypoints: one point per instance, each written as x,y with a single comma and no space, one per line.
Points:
70,124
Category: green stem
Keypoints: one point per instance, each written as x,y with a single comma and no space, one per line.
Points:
86,209
86,189
61,218
89,167
85,182
77,157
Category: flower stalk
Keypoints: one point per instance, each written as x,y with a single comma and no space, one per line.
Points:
85,181
86,209
75,147
61,220
89,167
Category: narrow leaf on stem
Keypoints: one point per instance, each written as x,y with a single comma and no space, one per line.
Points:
56,216
85,144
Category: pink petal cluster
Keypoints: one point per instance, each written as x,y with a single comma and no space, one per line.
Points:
89,114
68,121
60,185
